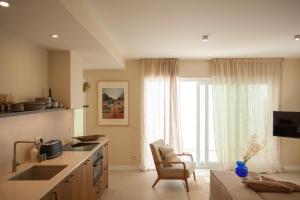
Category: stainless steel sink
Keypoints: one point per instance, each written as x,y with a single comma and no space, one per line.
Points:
39,172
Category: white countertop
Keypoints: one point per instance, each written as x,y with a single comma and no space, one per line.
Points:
35,190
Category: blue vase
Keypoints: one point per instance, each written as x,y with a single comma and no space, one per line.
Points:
241,169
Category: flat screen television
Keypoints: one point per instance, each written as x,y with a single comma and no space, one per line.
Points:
286,124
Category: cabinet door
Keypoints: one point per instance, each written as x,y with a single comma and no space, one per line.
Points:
69,189
87,179
64,190
49,196
77,184
105,165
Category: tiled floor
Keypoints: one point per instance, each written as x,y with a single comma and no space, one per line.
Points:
135,185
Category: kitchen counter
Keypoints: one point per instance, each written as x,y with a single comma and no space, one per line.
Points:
35,190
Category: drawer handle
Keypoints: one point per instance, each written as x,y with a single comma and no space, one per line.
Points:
70,179
87,162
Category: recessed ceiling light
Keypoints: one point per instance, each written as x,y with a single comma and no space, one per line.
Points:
297,37
205,38
54,36
4,4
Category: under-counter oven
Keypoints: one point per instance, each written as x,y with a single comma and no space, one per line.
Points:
97,166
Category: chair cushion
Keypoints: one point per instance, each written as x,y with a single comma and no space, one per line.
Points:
168,155
176,170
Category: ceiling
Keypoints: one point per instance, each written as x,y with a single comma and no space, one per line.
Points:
173,28
36,20
106,32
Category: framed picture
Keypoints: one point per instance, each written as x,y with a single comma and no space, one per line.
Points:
112,103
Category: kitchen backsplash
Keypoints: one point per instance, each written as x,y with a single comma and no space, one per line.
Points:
48,125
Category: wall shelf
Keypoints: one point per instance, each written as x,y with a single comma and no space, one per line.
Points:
30,112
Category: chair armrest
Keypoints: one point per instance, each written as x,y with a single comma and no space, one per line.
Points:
186,154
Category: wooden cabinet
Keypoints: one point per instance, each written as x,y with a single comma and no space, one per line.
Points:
50,196
71,187
64,190
87,179
78,185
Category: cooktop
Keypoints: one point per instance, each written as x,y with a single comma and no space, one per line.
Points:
80,146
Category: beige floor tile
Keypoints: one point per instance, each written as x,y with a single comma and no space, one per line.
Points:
134,185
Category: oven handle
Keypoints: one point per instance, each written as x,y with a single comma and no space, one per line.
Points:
97,160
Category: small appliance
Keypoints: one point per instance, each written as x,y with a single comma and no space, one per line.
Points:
51,149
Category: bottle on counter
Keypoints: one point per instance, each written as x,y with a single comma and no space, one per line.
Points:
34,152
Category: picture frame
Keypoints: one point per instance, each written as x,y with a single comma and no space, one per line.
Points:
112,103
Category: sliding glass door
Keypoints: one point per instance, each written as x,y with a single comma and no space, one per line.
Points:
197,121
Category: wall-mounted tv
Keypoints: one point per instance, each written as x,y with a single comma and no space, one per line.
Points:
286,124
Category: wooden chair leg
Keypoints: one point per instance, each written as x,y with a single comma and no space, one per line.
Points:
187,185
194,176
155,182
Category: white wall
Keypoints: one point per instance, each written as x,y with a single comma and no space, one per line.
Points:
49,125
60,76
124,144
77,65
125,141
290,101
23,68
24,73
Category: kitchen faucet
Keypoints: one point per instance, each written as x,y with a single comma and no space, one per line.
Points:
16,163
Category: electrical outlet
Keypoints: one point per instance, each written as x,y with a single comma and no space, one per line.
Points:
133,157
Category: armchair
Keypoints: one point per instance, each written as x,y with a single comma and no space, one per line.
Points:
177,171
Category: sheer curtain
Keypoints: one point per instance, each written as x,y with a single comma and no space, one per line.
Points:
160,113
245,94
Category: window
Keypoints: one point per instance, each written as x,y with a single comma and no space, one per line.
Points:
197,121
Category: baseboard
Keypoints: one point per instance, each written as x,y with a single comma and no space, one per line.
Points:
124,167
291,167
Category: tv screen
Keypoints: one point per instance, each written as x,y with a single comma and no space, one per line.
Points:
286,124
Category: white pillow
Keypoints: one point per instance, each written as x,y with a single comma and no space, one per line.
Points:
168,155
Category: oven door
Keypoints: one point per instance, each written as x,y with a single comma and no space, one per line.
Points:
97,169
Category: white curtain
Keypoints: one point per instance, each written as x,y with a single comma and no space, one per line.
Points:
245,94
160,113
